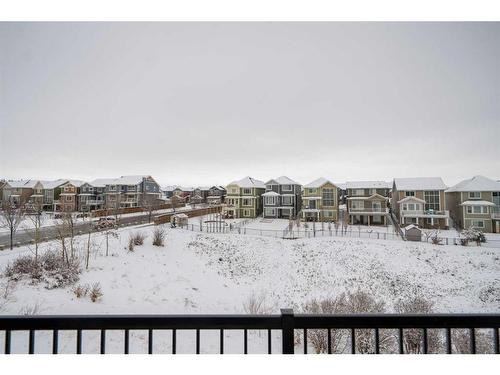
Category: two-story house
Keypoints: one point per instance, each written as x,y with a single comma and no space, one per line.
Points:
51,191
134,190
475,203
244,198
20,192
421,201
282,199
367,202
68,197
200,194
216,195
320,201
90,197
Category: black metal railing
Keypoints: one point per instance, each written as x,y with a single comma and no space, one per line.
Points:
290,326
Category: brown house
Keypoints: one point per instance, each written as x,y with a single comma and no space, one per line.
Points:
367,202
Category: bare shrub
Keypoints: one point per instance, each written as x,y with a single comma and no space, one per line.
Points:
319,337
30,309
131,243
81,290
436,240
461,341
139,238
413,338
95,292
50,269
256,304
159,236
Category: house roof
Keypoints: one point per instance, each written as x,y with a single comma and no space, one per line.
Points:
408,199
477,203
411,226
368,185
29,184
283,180
249,182
102,182
169,188
130,180
476,183
420,183
53,184
341,185
203,188
318,183
76,183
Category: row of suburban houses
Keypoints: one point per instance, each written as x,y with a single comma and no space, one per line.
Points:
425,201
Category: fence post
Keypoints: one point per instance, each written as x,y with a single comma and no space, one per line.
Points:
287,331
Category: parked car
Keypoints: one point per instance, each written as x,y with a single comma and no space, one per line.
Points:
82,215
105,222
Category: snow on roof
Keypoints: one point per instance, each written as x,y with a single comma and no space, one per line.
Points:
411,226
170,188
22,184
476,183
478,203
249,182
102,182
341,185
284,180
270,194
76,183
203,188
408,199
420,183
53,184
130,180
318,183
368,185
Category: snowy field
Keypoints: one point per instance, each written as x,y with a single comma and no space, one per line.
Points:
217,273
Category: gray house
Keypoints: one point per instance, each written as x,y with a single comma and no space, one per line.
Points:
282,199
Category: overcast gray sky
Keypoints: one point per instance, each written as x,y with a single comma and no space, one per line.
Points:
207,103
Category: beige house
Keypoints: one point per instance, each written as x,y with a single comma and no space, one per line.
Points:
421,201
244,198
475,203
21,192
367,202
320,201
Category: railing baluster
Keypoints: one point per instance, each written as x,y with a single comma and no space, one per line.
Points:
472,340
245,341
496,341
448,340
55,341
31,349
174,341
78,341
269,343
377,341
329,341
7,342
401,341
221,341
305,340
353,341
197,341
103,341
126,342
150,341
425,340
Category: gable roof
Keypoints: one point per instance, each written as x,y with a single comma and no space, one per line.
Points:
53,184
130,180
476,183
102,182
249,182
283,180
76,183
420,183
318,183
368,185
22,184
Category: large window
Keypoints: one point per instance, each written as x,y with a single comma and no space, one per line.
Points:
409,193
247,202
431,200
269,200
477,223
270,212
357,205
475,194
287,187
477,209
247,191
286,200
328,197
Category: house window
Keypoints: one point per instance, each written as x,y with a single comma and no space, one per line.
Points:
311,191
234,190
409,193
357,205
269,200
328,197
358,192
287,187
477,210
270,212
247,202
246,213
247,191
477,223
431,200
475,194
328,213
286,200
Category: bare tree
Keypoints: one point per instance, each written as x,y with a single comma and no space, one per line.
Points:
150,204
11,216
37,219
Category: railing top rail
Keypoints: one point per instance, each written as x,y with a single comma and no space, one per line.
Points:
90,322
95,322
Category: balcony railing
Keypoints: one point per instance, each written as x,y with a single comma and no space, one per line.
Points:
364,332
425,213
368,209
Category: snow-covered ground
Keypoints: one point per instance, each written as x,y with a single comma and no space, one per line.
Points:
217,273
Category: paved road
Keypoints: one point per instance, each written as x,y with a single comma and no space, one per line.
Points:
24,236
